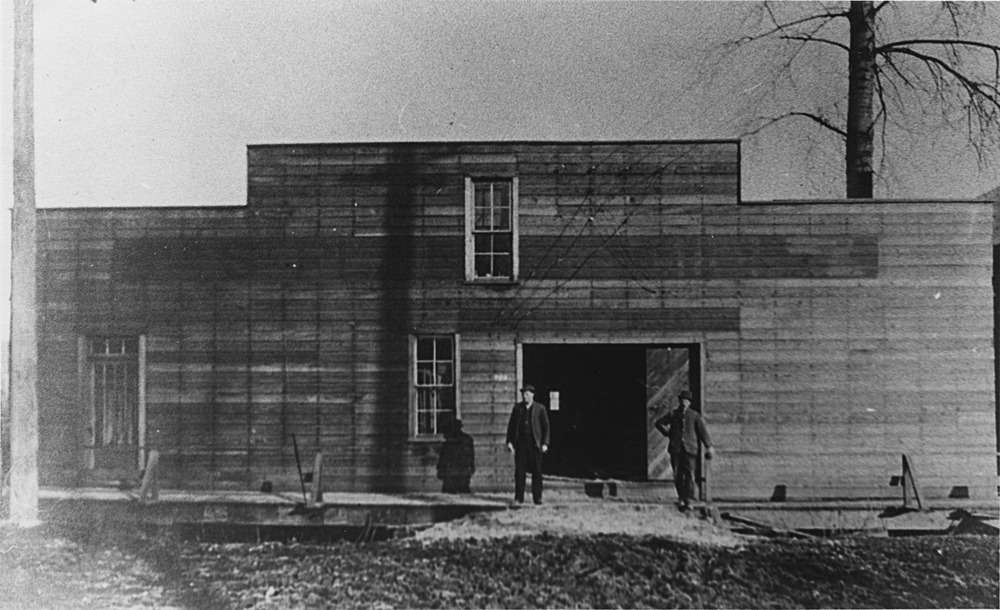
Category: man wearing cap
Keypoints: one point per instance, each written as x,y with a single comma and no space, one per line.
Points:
685,428
528,439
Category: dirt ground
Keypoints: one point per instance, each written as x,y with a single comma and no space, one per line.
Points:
42,569
582,519
593,555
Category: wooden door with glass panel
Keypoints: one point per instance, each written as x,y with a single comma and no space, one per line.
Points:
111,376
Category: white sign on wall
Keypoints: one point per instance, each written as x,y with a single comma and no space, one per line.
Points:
553,401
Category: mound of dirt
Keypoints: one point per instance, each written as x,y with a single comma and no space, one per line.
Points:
570,519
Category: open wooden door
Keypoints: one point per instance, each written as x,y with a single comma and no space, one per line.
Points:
668,371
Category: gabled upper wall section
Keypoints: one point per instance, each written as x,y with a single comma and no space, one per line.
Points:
302,176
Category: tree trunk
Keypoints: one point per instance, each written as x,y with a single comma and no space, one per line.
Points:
860,101
23,406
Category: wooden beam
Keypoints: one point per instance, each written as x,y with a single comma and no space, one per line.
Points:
151,479
316,493
909,482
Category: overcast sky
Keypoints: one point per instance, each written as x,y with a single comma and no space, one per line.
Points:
153,102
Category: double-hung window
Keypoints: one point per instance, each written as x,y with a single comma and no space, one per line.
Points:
434,384
491,229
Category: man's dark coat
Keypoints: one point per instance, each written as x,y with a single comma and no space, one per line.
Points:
684,428
539,423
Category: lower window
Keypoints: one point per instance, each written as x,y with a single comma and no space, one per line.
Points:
435,385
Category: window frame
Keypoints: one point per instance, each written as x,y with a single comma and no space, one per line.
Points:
85,362
470,230
414,418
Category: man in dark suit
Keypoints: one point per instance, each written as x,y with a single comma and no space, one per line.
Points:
685,428
528,439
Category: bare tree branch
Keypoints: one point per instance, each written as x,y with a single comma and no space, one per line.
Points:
942,42
948,79
805,38
781,27
813,117
889,61
936,66
981,104
880,118
953,12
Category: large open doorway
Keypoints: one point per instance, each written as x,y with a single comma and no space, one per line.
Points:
603,400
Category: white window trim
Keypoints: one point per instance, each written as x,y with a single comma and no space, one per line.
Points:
470,253
412,377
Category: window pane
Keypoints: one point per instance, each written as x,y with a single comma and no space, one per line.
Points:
425,422
118,405
503,242
444,374
501,194
444,349
483,194
484,265
446,399
445,419
97,373
425,373
128,414
501,219
483,219
484,243
502,265
113,346
425,349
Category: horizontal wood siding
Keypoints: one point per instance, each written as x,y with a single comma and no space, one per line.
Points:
289,318
830,382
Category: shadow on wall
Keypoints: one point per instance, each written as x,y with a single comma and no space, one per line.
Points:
404,178
393,274
457,462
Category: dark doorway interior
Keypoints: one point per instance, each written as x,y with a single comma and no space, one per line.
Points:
603,400
599,428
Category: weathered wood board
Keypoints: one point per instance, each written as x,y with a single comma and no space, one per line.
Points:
836,335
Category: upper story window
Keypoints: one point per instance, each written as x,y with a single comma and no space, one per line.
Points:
491,240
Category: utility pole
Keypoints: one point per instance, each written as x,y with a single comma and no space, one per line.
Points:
23,432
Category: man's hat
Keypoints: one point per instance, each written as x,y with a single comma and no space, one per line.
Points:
685,394
528,388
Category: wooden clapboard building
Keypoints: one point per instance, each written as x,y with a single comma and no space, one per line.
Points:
369,294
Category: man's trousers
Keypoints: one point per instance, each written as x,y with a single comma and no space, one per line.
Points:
527,458
684,464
